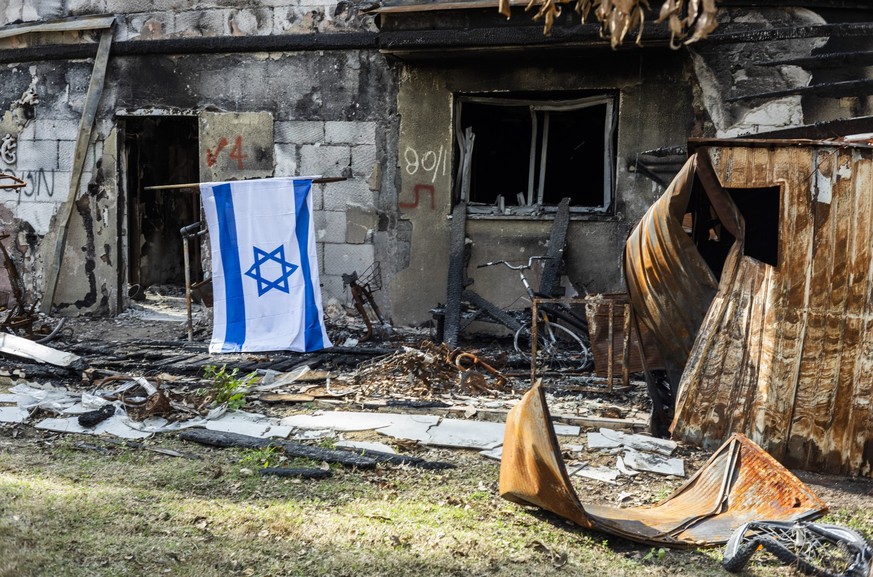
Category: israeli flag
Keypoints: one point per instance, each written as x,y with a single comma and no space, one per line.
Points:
265,284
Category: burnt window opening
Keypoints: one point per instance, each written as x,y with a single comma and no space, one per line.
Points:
159,151
529,153
760,210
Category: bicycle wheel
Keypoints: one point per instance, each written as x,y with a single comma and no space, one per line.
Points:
558,347
812,549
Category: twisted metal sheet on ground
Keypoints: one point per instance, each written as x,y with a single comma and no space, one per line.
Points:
669,283
740,483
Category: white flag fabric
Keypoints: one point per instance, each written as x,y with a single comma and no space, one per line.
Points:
266,290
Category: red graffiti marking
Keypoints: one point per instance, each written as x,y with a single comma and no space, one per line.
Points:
212,158
416,191
236,153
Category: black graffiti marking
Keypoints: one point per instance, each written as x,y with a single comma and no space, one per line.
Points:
39,183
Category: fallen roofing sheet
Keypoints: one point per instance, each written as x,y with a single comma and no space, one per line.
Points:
739,483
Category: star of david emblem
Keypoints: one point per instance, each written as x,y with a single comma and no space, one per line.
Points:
284,270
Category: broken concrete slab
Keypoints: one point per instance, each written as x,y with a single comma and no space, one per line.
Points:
610,439
457,433
495,454
15,399
465,434
313,434
654,463
279,431
366,446
231,423
250,424
13,415
115,426
354,421
600,473
68,425
410,429
623,469
426,429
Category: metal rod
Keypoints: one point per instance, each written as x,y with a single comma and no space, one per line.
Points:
187,287
533,341
625,353
610,348
544,151
320,180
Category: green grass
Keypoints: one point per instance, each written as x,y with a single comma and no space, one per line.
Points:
68,512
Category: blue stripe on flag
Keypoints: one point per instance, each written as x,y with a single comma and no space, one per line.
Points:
312,327
235,331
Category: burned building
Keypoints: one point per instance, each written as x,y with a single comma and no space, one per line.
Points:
131,96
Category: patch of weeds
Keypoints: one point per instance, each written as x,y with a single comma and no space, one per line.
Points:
261,458
860,521
227,387
654,554
328,443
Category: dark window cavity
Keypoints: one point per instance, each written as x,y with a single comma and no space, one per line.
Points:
529,153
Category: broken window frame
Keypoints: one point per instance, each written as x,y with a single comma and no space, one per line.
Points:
536,182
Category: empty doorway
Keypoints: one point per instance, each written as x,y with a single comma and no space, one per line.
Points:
160,151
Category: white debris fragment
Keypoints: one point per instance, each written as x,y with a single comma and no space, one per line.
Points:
27,349
495,454
623,469
275,379
654,463
366,446
609,439
116,426
13,415
605,474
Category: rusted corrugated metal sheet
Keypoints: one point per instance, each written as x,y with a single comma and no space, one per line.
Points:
669,283
740,483
785,354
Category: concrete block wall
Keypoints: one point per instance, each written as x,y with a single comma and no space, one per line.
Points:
332,109
345,211
144,19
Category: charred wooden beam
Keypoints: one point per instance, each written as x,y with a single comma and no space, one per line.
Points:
296,472
226,439
550,281
843,30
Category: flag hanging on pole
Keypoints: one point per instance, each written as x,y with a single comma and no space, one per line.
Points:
266,290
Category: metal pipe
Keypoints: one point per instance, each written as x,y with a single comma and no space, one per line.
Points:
187,286
315,180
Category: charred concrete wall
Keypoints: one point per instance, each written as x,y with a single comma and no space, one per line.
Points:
340,107
653,110
332,111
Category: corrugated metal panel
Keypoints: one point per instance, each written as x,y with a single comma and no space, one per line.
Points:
785,354
739,483
669,283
